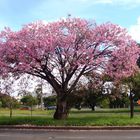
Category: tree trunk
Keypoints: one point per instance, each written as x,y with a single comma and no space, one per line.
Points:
31,110
42,107
62,110
131,106
11,111
92,106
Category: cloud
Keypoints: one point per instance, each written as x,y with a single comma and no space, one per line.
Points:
104,1
74,7
131,3
95,1
135,30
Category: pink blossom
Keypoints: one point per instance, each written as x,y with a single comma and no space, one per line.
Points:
72,46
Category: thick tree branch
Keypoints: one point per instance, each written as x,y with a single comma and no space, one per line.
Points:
77,79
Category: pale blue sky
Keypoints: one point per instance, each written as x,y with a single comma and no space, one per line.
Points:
15,13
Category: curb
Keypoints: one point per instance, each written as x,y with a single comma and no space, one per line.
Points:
70,127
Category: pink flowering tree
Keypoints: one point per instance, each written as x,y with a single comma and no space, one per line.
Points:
62,52
125,72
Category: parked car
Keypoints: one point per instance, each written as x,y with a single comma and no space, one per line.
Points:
50,108
25,108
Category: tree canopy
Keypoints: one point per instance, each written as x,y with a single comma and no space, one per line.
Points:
61,52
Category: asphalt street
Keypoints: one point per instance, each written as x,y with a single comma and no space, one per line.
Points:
69,135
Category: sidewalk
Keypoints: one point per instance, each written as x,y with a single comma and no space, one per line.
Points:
70,127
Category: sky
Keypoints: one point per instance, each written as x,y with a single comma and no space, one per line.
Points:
126,13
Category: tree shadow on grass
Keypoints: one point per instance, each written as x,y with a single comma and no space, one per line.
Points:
104,111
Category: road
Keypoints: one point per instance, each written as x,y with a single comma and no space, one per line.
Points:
69,135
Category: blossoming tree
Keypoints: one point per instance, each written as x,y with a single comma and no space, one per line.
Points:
61,52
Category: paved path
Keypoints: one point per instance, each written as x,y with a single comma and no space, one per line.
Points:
69,135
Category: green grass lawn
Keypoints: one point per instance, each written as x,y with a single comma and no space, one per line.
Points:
18,112
84,117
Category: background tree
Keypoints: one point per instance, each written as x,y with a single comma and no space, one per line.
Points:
8,102
39,94
121,101
0,104
61,52
133,84
7,87
76,98
29,100
94,90
93,98
49,101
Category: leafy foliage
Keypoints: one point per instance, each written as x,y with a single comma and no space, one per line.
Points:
29,100
49,101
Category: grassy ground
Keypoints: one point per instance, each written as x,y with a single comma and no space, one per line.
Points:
18,112
84,117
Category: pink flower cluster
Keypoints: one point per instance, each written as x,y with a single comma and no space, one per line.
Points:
68,47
